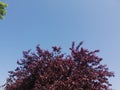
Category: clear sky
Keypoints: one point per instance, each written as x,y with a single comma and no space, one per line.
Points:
59,22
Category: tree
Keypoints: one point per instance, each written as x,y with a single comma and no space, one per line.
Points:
2,9
52,70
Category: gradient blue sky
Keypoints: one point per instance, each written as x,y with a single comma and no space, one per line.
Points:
59,22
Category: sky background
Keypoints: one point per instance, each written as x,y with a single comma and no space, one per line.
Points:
59,22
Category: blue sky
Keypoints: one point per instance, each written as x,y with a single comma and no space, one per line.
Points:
59,22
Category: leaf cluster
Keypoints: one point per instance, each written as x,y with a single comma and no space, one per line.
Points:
2,9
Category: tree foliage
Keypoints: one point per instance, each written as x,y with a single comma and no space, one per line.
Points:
52,70
2,9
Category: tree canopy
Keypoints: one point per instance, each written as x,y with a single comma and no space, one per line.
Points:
53,70
2,9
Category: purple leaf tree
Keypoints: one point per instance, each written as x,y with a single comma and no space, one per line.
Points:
45,70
